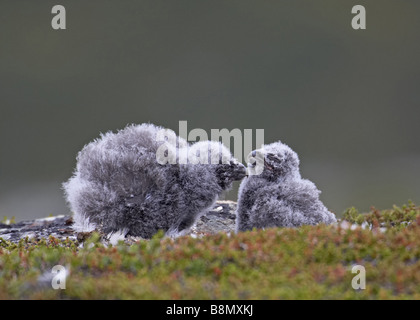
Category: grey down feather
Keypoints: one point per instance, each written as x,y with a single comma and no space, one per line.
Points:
279,197
121,186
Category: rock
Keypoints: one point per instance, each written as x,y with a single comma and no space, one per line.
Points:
221,218
40,228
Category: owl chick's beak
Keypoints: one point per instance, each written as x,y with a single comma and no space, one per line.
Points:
253,159
240,171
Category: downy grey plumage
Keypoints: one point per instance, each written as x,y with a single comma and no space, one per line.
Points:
121,186
279,197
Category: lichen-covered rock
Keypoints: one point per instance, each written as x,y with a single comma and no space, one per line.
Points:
57,226
221,218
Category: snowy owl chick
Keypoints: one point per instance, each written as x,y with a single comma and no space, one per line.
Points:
278,197
121,186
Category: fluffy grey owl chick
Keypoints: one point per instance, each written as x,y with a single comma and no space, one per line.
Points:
121,185
279,197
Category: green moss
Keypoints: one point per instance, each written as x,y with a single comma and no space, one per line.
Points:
396,217
312,262
6,220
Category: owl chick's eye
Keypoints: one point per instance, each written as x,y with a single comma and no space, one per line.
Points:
273,157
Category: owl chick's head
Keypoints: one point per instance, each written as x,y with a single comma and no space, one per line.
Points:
218,158
273,160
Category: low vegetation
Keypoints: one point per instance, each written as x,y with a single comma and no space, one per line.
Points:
312,262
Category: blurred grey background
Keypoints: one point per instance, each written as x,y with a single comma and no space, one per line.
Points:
347,101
